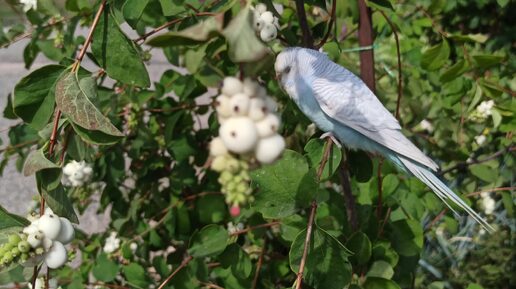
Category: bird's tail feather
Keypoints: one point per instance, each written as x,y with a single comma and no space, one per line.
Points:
442,191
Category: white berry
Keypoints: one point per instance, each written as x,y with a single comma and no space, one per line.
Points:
50,225
239,134
47,243
239,104
268,32
219,163
56,256
257,109
268,126
269,149
257,22
35,239
67,232
261,8
231,86
267,17
222,105
217,147
250,87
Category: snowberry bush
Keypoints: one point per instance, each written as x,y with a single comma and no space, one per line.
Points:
210,175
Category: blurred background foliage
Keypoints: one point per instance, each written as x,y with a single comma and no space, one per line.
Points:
458,69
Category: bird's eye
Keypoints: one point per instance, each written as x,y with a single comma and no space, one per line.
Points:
287,69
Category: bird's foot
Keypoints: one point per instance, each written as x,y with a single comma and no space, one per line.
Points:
332,137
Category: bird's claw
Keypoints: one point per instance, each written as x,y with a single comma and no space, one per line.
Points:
332,137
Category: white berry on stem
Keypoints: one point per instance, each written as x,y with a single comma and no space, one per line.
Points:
239,134
269,149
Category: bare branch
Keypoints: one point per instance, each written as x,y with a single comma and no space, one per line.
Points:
330,25
184,263
308,41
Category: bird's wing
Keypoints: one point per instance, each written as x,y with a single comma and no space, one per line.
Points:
349,101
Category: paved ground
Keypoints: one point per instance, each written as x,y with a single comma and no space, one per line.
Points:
16,190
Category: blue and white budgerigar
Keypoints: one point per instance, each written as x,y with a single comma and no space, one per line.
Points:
338,102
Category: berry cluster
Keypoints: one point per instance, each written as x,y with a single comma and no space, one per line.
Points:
249,129
76,174
43,239
40,284
265,23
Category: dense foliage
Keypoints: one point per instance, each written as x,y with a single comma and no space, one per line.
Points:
142,145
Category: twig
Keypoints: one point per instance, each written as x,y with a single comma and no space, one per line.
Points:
183,264
491,190
114,286
170,23
309,229
53,135
348,196
380,191
463,165
28,34
299,279
89,37
365,39
330,25
387,215
211,285
266,225
436,219
259,264
11,147
308,41
400,79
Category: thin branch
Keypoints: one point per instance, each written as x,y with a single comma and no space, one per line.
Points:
299,279
53,135
259,264
29,33
366,39
183,264
491,190
387,215
246,230
89,37
330,25
400,79
436,219
463,165
12,147
170,23
348,196
308,41
211,285
380,191
309,229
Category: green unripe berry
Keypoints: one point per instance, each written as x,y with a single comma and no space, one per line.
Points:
8,256
14,239
24,257
23,236
5,261
231,186
15,252
225,177
241,188
8,247
39,251
24,246
237,179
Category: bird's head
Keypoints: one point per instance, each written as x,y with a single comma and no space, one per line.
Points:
286,66
295,64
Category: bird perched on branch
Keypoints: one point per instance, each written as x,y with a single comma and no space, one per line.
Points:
342,105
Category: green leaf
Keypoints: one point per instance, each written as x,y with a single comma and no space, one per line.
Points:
486,61
104,269
8,220
59,202
118,54
360,245
243,44
474,286
454,71
34,96
37,161
171,7
214,209
136,275
238,259
380,283
326,264
484,172
9,109
389,184
380,4
382,251
436,56
360,166
407,237
284,186
502,4
480,38
209,241
315,149
195,34
381,269
95,136
72,100
133,10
